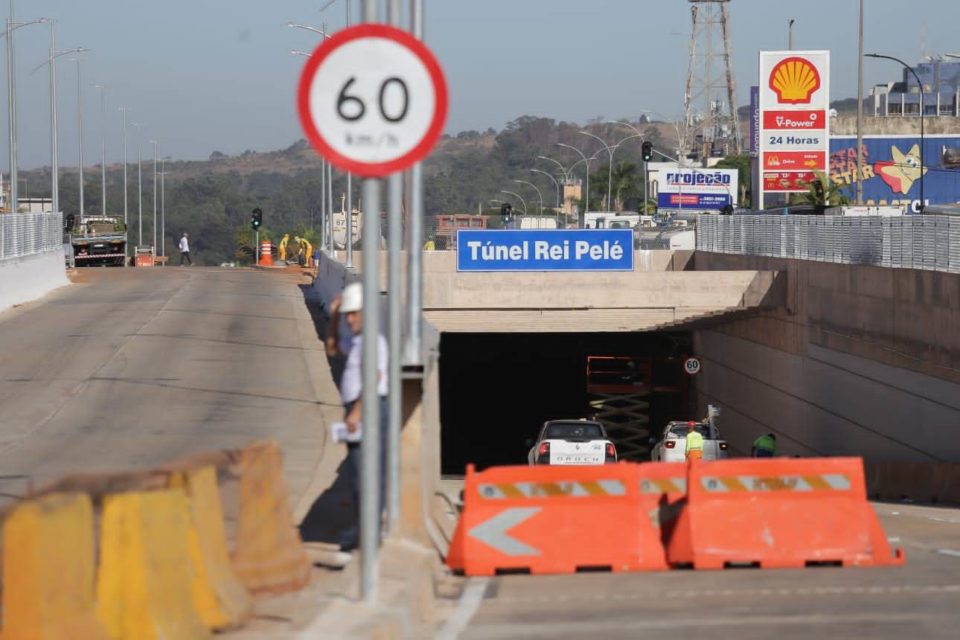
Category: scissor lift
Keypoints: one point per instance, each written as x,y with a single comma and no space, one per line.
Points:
619,388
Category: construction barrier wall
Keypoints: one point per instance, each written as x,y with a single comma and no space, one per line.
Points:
165,568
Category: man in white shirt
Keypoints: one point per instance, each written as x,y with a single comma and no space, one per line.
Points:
185,251
350,305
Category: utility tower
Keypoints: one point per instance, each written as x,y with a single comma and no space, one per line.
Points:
710,108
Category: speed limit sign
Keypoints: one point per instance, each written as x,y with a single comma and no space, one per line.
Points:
372,100
692,366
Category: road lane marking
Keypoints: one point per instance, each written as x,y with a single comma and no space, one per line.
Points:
466,608
949,552
747,593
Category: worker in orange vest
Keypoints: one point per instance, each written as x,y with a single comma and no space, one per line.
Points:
694,442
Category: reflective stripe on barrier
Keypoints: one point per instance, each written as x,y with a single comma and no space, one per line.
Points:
778,513
547,519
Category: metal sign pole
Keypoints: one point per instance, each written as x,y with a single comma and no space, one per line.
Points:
394,293
256,247
412,350
370,498
370,474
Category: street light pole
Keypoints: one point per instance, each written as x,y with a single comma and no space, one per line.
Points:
103,147
557,185
920,87
539,198
163,208
646,182
609,167
12,26
518,197
80,132
859,187
156,149
586,162
124,111
137,126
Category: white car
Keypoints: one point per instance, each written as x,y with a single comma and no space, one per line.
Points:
572,442
673,445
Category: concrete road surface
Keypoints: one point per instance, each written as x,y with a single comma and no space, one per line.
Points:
920,600
134,367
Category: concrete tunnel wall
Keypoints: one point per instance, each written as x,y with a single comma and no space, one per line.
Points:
862,361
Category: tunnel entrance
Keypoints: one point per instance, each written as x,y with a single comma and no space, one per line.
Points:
496,390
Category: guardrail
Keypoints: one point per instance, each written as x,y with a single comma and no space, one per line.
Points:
24,234
928,242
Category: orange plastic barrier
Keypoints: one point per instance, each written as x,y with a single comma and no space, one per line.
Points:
663,492
554,520
268,555
779,513
266,253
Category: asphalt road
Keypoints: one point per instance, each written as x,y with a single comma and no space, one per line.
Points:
134,367
920,600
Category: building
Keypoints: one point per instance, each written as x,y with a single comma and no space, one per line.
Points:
941,92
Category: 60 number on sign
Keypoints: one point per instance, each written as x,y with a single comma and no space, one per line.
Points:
372,100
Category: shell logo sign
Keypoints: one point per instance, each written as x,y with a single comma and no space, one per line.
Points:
794,80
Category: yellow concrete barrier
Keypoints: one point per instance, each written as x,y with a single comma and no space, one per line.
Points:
269,554
218,596
145,579
48,570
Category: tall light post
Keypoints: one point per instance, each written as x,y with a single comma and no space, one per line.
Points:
79,130
137,126
790,34
586,161
103,147
124,110
563,170
523,202
610,152
920,87
646,181
557,185
327,173
859,188
51,62
156,149
539,197
163,208
12,26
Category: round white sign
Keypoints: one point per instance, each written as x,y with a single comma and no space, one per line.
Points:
692,366
372,100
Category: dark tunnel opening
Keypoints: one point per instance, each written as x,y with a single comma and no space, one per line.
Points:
496,390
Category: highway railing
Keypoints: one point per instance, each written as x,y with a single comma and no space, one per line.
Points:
25,234
928,242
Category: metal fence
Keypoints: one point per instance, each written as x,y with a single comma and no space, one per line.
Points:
909,242
24,234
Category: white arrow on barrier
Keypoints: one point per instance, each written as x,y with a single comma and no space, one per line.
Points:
493,532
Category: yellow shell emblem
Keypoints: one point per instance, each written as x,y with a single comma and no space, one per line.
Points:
794,80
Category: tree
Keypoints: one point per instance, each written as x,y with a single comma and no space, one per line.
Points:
821,193
742,164
626,179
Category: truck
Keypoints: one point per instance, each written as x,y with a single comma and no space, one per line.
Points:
97,241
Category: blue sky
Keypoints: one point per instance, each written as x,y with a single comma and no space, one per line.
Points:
205,75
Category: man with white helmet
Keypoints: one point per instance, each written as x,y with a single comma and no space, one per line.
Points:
349,305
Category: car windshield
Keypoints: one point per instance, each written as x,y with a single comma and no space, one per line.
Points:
681,430
563,430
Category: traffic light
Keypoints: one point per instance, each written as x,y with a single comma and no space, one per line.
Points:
256,219
646,150
506,209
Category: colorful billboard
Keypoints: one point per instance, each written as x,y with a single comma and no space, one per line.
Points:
892,172
794,127
701,189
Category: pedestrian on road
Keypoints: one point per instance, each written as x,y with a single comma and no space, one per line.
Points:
185,251
350,305
694,442
764,447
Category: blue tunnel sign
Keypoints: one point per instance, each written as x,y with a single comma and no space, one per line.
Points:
545,250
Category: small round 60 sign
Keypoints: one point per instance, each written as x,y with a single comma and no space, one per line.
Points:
692,366
372,100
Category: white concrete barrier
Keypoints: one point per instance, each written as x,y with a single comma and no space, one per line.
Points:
27,278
